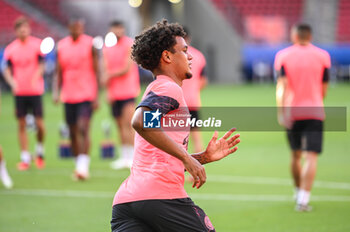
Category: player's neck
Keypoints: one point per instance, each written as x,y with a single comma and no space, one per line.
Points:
75,37
23,39
303,43
168,73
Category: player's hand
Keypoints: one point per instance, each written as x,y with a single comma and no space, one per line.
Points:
196,170
55,97
95,104
13,87
218,149
282,120
104,79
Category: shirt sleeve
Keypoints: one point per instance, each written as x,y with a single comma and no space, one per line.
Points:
327,61
325,78
280,68
6,60
165,100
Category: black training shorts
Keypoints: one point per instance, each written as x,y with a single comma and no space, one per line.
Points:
306,135
78,110
29,104
177,215
118,105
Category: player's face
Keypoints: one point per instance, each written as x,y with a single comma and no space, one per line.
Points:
23,31
182,59
119,31
76,29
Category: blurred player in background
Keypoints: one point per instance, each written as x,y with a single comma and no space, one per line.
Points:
76,77
4,176
123,84
153,197
303,74
23,71
192,88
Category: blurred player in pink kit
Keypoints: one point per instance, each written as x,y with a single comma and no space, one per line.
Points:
123,85
303,75
192,87
153,197
77,73
23,71
4,175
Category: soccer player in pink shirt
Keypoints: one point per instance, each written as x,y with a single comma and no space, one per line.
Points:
303,74
77,69
153,197
4,176
123,86
192,87
23,71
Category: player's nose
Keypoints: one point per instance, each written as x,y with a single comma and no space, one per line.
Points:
189,56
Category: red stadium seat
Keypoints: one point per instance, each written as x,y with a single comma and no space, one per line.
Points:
240,13
52,8
343,28
8,14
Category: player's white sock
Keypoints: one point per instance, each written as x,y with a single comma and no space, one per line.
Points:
303,197
124,152
39,149
25,157
83,164
130,152
130,155
296,192
5,177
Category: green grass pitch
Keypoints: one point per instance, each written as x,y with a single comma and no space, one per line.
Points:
249,191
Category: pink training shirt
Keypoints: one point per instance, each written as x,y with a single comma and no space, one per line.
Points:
24,58
155,174
116,57
191,87
79,82
304,68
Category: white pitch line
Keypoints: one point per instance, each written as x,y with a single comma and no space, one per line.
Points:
195,196
274,181
225,179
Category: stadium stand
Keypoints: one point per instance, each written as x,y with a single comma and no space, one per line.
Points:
261,19
8,15
52,8
343,28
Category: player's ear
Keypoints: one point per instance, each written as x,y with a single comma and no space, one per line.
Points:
166,56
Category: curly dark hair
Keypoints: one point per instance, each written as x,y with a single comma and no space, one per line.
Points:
150,44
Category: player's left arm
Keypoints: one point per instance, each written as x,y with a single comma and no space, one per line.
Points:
96,66
326,74
218,149
325,81
124,69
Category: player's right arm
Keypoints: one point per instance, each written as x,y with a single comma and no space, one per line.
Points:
6,67
280,99
281,86
56,83
159,139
